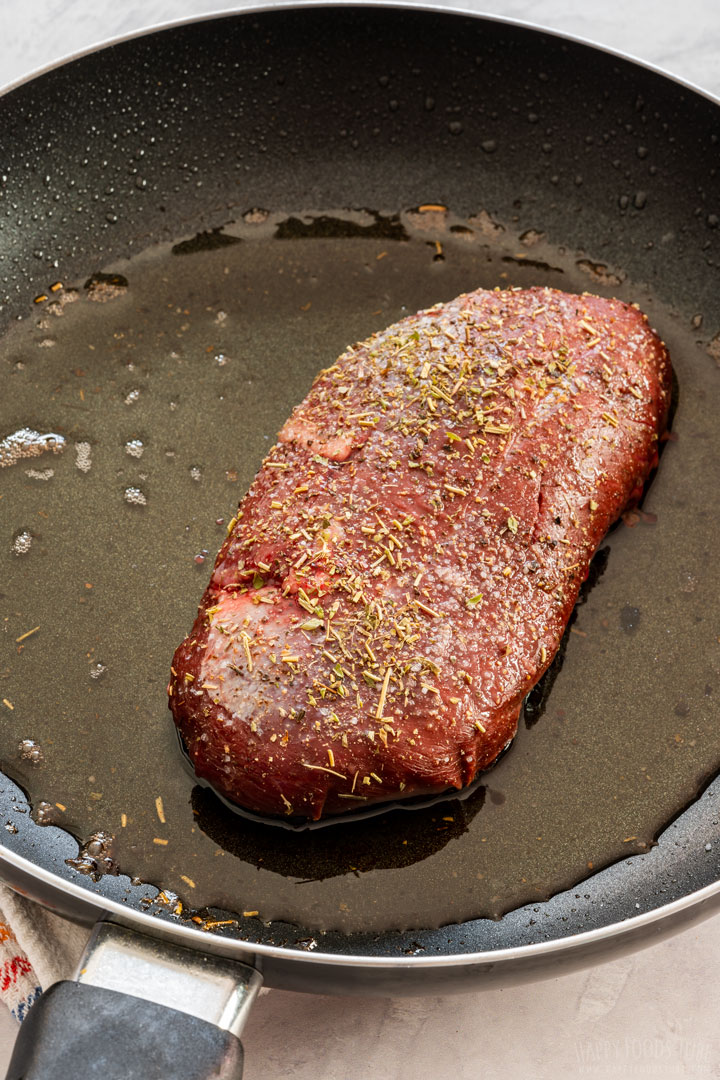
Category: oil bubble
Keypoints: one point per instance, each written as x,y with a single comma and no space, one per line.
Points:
30,751
256,216
135,448
45,813
27,443
96,856
135,496
103,287
83,460
97,670
22,542
629,619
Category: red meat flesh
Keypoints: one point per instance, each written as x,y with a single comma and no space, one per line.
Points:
401,571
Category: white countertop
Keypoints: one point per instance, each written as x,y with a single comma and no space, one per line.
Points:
652,1014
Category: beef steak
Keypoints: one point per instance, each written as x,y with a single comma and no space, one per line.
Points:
401,571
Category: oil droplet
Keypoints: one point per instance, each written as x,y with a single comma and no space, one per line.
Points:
201,556
135,496
134,448
599,272
488,146
531,237
22,542
640,200
713,348
83,460
486,225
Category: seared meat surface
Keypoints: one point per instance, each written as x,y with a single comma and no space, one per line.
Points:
401,571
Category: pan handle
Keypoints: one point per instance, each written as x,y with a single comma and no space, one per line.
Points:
139,1007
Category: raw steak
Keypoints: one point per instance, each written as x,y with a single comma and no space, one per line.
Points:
401,571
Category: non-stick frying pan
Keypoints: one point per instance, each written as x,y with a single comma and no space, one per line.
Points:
193,222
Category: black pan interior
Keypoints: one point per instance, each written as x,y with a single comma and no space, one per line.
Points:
341,123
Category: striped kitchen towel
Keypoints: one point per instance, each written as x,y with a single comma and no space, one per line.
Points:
19,986
37,948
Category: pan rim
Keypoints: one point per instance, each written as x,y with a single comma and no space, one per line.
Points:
386,5
240,948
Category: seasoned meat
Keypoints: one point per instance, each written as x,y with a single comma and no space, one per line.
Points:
401,571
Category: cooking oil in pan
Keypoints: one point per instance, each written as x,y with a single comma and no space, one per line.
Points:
151,393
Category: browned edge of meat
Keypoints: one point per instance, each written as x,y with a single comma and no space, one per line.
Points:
401,571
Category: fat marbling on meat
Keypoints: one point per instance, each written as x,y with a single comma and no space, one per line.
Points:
401,571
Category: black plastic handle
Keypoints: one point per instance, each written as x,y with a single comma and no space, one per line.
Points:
76,1031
